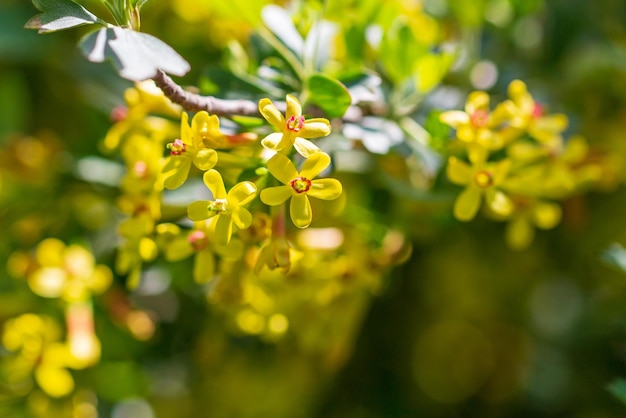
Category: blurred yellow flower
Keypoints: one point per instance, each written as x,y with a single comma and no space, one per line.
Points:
67,272
35,340
199,241
528,214
528,116
476,125
299,185
293,129
481,178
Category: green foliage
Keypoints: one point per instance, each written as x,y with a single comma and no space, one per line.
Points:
136,56
59,15
328,94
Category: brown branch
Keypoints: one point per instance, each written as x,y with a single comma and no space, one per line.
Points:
195,102
223,107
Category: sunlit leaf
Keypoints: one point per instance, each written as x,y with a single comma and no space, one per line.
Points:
615,255
618,389
59,15
280,23
329,95
136,56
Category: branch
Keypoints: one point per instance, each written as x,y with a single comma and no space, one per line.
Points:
222,107
195,102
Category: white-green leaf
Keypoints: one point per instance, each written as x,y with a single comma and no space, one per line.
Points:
137,56
59,15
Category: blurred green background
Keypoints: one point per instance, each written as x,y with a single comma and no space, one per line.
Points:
465,328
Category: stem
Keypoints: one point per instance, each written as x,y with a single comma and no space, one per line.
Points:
194,102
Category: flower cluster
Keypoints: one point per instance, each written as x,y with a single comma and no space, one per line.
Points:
244,179
515,162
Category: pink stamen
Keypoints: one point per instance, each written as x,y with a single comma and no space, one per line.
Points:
177,147
198,240
295,123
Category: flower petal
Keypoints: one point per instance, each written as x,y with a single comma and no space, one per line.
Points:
198,211
48,282
467,204
276,195
276,141
271,114
233,250
294,108
315,128
177,175
458,171
477,100
282,168
241,193
178,249
314,165
546,215
454,118
206,130
54,380
305,147
213,180
223,229
498,202
242,218
203,267
519,233
326,189
300,211
205,159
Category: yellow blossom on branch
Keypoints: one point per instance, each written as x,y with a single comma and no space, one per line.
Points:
476,124
195,146
67,272
529,116
481,179
228,207
299,185
293,129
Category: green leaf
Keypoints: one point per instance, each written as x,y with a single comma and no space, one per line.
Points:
430,70
281,25
615,255
618,389
135,55
59,15
328,94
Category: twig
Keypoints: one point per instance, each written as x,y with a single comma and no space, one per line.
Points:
238,107
195,102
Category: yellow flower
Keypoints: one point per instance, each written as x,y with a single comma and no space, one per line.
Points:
528,115
227,207
528,214
481,179
35,339
194,147
292,128
275,254
476,124
67,272
299,185
199,241
142,101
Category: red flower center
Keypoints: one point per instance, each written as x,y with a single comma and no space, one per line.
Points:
300,184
